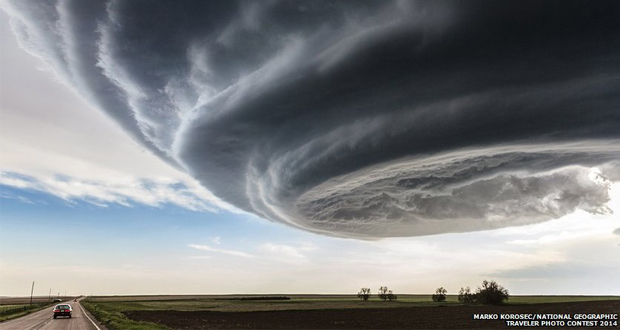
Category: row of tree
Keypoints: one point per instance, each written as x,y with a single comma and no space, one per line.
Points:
384,294
490,293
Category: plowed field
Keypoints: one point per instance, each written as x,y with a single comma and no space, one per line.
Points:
451,317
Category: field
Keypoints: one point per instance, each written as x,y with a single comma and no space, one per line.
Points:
11,311
323,312
13,307
26,300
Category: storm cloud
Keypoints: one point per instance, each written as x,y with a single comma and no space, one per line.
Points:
357,118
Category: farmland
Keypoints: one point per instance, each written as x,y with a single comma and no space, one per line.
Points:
11,311
323,311
13,307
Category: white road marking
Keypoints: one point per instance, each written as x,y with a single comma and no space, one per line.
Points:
91,321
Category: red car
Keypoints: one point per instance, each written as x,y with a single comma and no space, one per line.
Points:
62,310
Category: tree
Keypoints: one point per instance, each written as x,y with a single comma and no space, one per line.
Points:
383,293
466,296
491,293
364,294
440,294
391,296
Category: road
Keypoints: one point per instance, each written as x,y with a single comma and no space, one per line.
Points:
42,320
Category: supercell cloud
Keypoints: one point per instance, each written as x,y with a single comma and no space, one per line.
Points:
357,118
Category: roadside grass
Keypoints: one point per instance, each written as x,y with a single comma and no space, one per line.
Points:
111,315
9,312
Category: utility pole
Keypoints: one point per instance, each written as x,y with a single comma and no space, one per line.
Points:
31,292
50,296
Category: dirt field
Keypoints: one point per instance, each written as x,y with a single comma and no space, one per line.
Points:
453,317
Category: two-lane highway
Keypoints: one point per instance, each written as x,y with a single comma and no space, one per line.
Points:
43,320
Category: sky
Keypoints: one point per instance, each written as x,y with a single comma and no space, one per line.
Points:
307,147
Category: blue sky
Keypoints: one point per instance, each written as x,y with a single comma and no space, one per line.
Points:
142,249
87,207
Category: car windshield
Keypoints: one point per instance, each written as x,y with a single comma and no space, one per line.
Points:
63,307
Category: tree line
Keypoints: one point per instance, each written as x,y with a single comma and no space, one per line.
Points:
490,293
384,294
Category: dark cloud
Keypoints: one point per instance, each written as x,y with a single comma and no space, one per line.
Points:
617,231
363,119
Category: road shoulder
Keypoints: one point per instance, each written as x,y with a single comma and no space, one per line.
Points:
94,320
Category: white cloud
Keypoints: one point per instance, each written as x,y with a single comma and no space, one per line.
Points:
130,191
284,252
199,257
222,251
572,227
22,199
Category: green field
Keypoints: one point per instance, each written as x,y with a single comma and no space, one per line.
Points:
110,314
232,304
110,310
8,312
4,308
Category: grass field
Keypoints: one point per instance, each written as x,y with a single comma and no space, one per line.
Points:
4,308
112,310
8,312
111,314
26,300
226,301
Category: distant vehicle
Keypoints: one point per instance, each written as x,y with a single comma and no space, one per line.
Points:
62,310
57,300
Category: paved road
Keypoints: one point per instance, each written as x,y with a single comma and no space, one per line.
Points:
42,320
